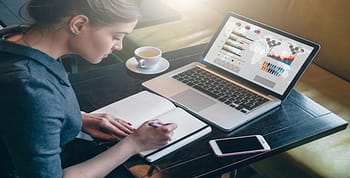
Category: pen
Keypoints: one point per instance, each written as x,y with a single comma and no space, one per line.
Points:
155,124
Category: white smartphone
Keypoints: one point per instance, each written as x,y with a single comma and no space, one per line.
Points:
239,145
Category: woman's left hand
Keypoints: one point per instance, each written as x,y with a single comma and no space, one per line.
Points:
104,126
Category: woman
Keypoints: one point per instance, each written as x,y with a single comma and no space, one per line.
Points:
39,110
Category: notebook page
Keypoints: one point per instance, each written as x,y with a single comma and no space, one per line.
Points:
186,125
138,108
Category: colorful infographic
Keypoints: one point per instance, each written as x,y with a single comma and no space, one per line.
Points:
257,54
280,53
276,70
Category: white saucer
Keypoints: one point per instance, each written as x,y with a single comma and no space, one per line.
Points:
132,65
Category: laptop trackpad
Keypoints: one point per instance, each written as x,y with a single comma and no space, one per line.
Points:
192,100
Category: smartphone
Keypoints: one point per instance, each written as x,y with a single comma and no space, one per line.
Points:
239,145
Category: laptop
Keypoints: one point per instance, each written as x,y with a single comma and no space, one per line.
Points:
247,69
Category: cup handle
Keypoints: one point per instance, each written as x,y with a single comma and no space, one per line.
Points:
142,63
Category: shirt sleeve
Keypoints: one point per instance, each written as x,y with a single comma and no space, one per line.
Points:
31,130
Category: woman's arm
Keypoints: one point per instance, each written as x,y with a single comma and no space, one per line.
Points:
102,164
144,138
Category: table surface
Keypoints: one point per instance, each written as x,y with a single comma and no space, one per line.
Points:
297,121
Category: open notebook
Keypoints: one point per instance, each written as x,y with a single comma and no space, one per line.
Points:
144,106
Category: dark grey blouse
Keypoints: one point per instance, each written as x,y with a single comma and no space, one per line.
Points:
39,112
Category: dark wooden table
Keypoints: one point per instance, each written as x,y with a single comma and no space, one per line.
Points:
297,121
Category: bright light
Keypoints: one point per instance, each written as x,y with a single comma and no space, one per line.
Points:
185,4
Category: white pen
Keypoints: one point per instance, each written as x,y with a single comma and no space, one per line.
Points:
155,124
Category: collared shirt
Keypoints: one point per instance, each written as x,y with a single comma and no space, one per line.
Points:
39,112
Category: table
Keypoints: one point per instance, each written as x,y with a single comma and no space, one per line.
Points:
297,121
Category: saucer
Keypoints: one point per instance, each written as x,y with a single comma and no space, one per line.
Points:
132,65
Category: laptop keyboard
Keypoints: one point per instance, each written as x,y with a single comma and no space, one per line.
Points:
221,89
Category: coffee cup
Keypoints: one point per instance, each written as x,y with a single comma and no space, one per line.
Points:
147,57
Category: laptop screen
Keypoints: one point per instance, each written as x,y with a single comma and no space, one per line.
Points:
260,54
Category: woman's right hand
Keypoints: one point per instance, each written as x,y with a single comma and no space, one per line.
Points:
147,137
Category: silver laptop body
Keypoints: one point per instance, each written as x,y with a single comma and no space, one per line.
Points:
263,60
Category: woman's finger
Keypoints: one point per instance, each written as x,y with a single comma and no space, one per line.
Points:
115,126
117,129
122,125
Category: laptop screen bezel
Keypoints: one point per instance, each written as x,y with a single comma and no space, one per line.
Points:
307,62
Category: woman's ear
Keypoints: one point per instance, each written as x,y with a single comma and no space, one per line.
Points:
78,23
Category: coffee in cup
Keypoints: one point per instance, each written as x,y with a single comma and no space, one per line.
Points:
147,57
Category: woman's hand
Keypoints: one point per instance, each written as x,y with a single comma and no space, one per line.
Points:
106,127
148,137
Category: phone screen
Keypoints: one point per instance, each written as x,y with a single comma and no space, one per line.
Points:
239,144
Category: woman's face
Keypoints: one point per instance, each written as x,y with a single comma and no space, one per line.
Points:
95,43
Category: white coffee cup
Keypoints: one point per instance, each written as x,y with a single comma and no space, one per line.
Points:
147,57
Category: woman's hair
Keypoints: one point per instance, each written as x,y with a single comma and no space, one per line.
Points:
99,12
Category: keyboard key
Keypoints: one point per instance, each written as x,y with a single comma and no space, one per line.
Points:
221,89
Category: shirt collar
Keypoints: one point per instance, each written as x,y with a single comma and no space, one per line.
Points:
53,65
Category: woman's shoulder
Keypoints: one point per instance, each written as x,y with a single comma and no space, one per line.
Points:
13,68
21,78
16,68
21,91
